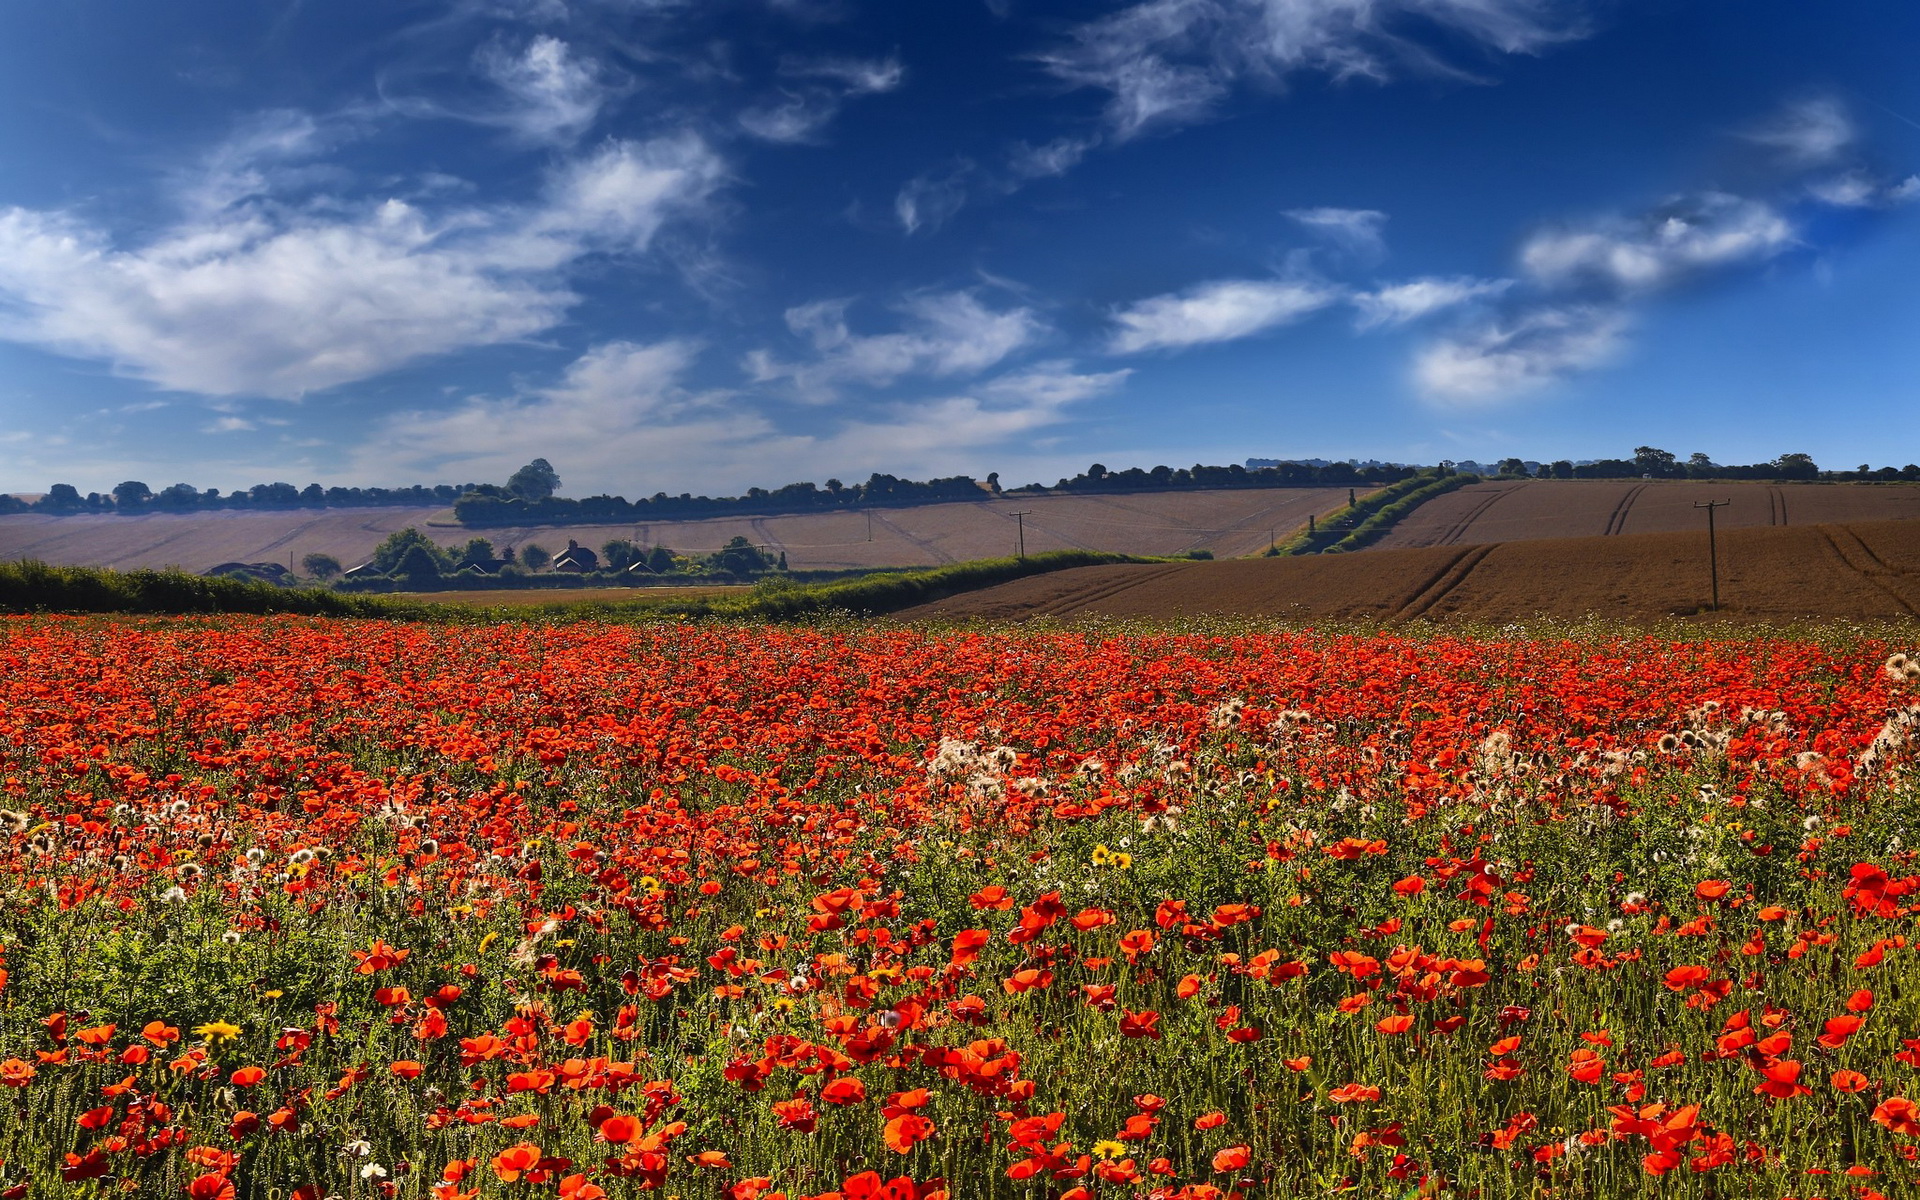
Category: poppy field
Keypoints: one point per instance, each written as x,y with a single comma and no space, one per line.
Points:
295,909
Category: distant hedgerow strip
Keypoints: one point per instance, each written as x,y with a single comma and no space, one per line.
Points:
1373,514
28,586
890,591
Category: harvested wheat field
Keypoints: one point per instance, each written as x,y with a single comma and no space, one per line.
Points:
1864,570
1523,510
1228,523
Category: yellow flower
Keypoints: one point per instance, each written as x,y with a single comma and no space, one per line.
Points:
1108,1150
489,940
218,1031
783,1003
1101,856
1120,859
275,994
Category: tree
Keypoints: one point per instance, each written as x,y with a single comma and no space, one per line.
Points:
61,497
178,498
387,555
619,554
131,496
321,566
535,556
1512,466
1655,462
660,560
1796,466
535,481
740,557
418,565
1560,468
478,550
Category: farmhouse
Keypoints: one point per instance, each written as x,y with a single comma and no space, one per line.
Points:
576,559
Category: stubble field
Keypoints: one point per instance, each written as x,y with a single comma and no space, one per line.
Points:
293,909
1228,523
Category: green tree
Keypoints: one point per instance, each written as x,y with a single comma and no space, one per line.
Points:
535,556
388,554
660,560
321,566
1655,462
535,481
1512,466
619,554
131,496
740,557
418,565
477,550
61,497
1796,466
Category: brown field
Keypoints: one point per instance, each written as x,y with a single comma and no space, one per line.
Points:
1229,523
1569,508
527,597
1862,570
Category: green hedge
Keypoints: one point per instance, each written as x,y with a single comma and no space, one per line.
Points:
1384,517
1355,516
892,591
28,586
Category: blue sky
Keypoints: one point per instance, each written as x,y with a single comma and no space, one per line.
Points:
677,245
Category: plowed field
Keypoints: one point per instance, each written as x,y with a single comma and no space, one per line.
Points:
1863,570
1229,523
1555,508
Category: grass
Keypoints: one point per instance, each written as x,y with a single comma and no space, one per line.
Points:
1370,516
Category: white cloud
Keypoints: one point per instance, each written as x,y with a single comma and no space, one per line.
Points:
1355,231
1057,157
800,115
260,300
623,420
929,201
858,76
1513,357
1169,62
1807,132
950,333
1681,238
1221,311
1400,303
556,96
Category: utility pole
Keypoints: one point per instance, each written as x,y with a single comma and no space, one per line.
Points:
1021,518
1713,557
869,524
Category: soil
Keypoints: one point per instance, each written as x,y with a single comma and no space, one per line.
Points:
515,598
1229,523
1523,510
1868,570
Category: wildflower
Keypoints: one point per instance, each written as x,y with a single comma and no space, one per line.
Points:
1108,1150
218,1031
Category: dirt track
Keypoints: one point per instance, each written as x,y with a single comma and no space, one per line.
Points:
1862,570
1523,510
1229,523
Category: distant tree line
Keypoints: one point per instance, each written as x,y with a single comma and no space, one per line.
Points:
1653,462
528,499
134,497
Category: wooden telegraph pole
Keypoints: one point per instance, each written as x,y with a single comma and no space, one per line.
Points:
1713,556
1021,518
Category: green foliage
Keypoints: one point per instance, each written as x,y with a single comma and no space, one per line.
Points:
534,556
388,555
321,566
1368,517
535,481
29,586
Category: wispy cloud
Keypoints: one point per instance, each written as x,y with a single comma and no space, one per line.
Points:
1220,311
929,201
1685,236
1166,63
1586,279
1808,132
556,96
1353,231
623,418
1408,301
821,89
258,299
946,334
1519,355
